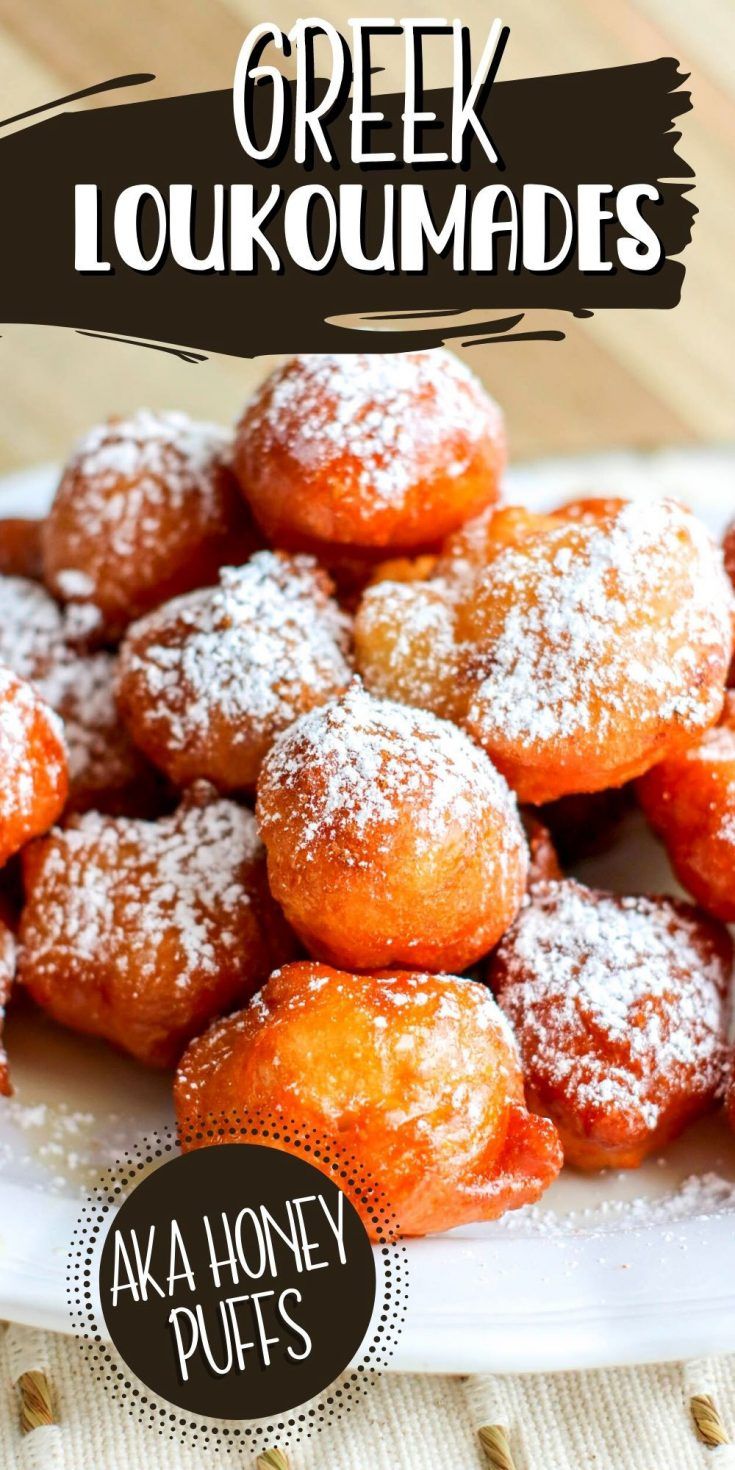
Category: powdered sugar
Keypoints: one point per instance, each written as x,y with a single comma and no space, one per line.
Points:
265,643
382,764
405,642
698,1197
168,446
31,627
381,417
125,474
19,708
583,640
133,894
616,1002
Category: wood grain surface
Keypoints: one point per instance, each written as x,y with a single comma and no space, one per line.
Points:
622,378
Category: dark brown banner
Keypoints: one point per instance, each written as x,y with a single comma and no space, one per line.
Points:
326,251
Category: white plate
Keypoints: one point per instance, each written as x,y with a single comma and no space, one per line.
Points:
583,1280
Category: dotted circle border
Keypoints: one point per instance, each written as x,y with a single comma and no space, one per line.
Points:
197,1431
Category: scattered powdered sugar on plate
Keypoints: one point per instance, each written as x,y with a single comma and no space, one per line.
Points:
700,1196
378,764
381,417
55,1146
268,639
618,1002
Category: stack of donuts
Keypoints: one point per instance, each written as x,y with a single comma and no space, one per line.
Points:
300,731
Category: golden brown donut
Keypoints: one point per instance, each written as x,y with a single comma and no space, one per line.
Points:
207,681
689,799
591,508
33,765
147,508
33,633
364,451
414,1075
579,653
107,772
391,839
142,932
44,644
620,1009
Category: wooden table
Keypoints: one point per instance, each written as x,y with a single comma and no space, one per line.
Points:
623,378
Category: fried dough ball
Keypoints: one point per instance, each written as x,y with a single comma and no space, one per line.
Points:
33,765
591,508
208,681
107,772
422,1085
40,642
404,569
7,976
689,799
20,548
142,932
369,450
391,838
579,654
619,1006
32,629
147,508
476,544
406,647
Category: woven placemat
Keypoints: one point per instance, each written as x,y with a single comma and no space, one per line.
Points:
53,1416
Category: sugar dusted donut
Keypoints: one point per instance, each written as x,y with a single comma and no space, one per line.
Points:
33,765
32,628
207,681
147,508
107,772
390,837
414,1075
142,932
41,643
581,652
596,649
619,1006
689,799
591,508
406,646
369,450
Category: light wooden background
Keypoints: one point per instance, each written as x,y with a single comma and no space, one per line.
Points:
623,378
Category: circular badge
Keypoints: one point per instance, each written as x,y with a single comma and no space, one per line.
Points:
237,1281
